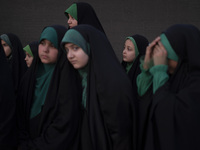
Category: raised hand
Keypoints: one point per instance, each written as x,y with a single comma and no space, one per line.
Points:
159,54
149,52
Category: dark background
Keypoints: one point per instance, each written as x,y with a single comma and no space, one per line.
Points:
119,18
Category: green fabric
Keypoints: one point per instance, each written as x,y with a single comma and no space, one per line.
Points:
28,50
134,43
83,73
7,40
144,80
50,34
160,76
170,51
128,66
43,80
73,36
72,10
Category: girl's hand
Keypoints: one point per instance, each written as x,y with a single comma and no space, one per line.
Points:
159,54
149,52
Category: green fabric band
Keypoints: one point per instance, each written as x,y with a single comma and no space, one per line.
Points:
28,50
170,51
72,10
6,39
50,34
73,36
134,43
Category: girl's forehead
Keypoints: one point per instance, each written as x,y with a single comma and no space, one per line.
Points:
70,45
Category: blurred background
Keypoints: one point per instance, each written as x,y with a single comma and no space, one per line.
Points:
119,18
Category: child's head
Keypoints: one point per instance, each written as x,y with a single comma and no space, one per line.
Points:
48,46
6,44
77,49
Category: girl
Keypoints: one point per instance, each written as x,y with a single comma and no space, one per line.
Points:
15,56
169,90
134,48
48,112
82,13
107,108
31,50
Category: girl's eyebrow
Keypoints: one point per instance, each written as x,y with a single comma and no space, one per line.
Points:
71,45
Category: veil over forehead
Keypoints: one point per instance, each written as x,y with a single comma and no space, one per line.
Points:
184,39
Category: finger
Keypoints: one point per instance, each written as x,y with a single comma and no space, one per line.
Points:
151,46
162,47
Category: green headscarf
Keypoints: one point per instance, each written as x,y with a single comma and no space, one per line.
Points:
73,36
170,51
6,39
50,34
129,65
72,10
134,43
28,50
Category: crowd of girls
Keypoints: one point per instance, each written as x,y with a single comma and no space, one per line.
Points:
69,91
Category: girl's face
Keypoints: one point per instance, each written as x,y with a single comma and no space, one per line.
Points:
129,51
6,48
47,52
28,59
76,56
172,64
72,22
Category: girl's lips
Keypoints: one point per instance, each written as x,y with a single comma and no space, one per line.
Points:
44,57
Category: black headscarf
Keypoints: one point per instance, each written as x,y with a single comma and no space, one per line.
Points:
109,108
87,15
34,48
142,43
174,115
17,62
8,130
58,124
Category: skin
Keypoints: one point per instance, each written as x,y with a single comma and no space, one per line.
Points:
129,51
6,48
158,53
47,52
76,56
72,22
28,59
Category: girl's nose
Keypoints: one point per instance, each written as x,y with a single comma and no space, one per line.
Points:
45,48
69,54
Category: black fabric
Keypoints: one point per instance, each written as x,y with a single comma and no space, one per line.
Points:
17,62
173,121
110,110
8,130
58,123
87,15
34,48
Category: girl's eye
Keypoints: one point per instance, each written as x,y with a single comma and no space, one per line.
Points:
66,50
75,48
52,45
42,43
